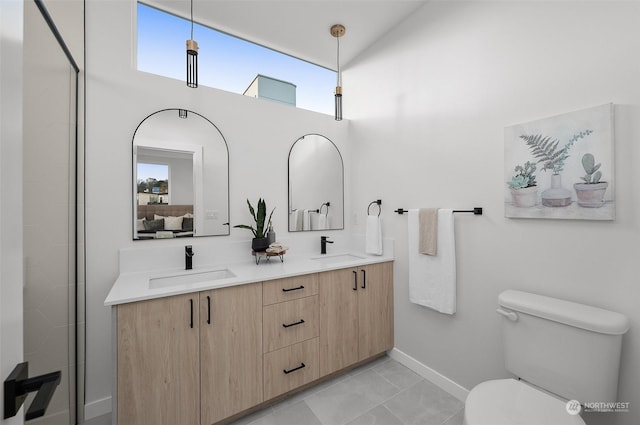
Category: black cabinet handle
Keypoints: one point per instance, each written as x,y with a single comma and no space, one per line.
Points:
284,325
355,280
208,310
292,289
191,319
286,372
364,279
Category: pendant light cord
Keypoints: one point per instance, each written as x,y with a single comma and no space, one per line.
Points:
191,19
339,76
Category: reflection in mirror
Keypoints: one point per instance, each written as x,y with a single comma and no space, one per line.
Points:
180,177
316,185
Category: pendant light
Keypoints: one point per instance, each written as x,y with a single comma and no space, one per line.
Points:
338,31
192,57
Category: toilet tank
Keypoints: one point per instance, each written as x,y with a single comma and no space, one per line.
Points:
569,349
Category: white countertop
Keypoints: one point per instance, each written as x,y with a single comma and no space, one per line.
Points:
134,286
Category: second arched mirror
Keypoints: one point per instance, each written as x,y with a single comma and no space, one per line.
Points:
316,185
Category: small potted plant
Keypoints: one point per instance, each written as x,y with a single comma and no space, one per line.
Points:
524,190
591,192
260,241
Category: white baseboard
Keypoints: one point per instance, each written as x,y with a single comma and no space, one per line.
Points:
453,388
97,408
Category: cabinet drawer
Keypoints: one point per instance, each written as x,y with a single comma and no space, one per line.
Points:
290,367
289,322
291,288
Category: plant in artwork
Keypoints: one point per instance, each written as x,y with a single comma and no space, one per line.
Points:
524,176
524,191
591,193
545,149
593,176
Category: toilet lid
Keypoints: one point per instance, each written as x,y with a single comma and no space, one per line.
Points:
511,402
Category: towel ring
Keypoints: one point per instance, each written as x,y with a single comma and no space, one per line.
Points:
326,204
378,203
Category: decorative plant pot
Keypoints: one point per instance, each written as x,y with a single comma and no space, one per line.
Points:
259,244
591,195
556,195
525,197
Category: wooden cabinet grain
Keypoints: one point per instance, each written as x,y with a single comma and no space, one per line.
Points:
158,367
356,315
230,351
190,359
203,357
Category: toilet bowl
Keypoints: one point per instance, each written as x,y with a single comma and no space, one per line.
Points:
511,402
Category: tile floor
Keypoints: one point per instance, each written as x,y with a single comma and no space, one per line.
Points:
383,392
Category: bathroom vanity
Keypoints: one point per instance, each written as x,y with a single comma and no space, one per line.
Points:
201,352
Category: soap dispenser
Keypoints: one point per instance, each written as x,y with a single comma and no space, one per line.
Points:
271,235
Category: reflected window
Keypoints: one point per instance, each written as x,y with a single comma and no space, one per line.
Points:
153,184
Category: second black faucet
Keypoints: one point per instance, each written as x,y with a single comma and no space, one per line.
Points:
324,240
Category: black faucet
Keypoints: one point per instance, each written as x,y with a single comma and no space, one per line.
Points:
188,255
323,244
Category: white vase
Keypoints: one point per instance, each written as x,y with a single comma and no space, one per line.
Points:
526,197
556,195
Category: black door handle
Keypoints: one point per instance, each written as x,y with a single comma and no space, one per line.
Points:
208,310
286,372
364,279
301,321
191,315
17,386
355,280
293,289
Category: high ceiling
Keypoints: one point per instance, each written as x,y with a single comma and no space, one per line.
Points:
299,27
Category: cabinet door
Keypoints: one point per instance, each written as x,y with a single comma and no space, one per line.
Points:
158,367
338,319
230,350
375,309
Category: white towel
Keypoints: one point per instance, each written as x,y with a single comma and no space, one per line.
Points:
374,235
306,220
323,221
432,279
296,220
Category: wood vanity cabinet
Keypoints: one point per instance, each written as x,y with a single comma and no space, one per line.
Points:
190,359
230,351
158,362
356,315
200,358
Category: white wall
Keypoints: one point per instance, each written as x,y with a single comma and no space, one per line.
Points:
429,103
259,134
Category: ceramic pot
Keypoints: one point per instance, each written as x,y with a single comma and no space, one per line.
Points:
556,195
525,197
259,244
591,195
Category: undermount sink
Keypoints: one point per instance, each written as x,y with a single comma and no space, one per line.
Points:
337,258
190,278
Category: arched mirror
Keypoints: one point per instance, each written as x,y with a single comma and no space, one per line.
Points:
180,177
316,185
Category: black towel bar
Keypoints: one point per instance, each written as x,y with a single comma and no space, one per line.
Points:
475,211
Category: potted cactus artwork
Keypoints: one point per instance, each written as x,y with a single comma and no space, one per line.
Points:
591,193
524,191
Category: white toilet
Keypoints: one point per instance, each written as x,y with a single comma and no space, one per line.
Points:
560,351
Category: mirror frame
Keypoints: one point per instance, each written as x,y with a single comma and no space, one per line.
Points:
289,183
198,191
